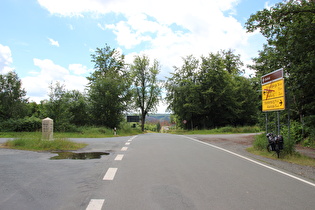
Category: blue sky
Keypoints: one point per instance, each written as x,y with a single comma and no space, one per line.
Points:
46,41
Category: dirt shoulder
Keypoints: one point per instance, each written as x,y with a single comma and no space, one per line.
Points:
239,142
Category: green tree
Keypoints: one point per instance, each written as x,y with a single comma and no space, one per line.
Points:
211,93
57,107
78,107
146,87
158,126
109,87
290,30
232,62
183,92
13,103
219,100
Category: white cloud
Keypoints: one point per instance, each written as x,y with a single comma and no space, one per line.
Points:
5,59
102,27
37,85
53,42
78,69
169,29
71,7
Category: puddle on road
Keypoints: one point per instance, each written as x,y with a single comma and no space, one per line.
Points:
78,156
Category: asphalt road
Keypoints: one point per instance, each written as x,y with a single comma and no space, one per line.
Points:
156,171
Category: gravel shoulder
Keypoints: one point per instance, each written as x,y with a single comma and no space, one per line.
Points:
239,142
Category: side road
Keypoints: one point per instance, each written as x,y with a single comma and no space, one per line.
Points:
239,142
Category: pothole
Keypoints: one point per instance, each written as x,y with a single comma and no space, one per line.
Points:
78,156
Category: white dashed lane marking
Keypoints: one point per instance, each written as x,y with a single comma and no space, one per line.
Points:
95,204
128,143
124,149
132,138
110,174
119,157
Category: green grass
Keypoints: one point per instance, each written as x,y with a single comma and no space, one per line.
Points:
36,144
223,130
83,132
295,157
33,140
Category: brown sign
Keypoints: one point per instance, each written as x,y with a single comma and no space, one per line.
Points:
273,76
273,96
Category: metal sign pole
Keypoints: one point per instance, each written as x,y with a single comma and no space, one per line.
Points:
266,122
278,117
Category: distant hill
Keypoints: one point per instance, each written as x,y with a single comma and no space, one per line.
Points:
155,118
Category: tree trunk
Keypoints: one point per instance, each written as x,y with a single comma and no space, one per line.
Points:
143,114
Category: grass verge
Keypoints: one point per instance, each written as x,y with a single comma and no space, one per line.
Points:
83,132
223,130
295,157
36,144
288,154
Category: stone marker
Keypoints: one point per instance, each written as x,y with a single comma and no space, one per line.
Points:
47,129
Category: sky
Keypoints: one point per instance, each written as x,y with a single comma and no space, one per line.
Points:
45,41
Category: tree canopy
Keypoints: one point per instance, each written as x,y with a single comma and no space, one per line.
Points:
12,97
290,30
209,92
109,87
145,85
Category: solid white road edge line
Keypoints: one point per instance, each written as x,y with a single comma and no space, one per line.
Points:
253,161
110,174
119,157
95,204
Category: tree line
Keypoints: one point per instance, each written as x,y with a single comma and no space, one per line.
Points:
113,88
210,92
205,92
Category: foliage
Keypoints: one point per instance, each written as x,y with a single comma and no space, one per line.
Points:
308,142
78,107
109,88
211,93
12,97
57,107
27,124
158,127
290,30
295,158
261,142
146,88
222,130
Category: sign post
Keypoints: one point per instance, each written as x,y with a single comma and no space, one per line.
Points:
273,94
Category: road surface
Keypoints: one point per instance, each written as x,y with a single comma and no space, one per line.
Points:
149,171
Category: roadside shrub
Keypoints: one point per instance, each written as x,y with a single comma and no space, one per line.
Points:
27,124
296,131
308,142
245,129
260,142
65,127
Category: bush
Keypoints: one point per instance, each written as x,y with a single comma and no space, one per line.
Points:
65,127
245,129
27,124
261,142
296,131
